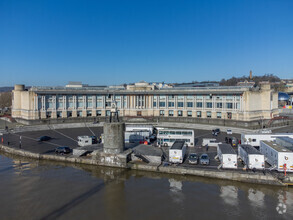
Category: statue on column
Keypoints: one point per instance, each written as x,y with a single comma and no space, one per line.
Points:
114,113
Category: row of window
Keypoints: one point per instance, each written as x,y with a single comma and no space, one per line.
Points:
198,114
228,105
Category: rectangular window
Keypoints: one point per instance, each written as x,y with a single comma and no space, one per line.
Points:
237,105
118,104
108,104
229,115
171,104
79,101
209,104
198,114
89,113
99,104
219,105
171,96
79,114
155,104
189,113
209,114
108,113
162,113
199,104
180,113
90,104
171,113
189,97
99,113
180,97
70,104
189,104
80,104
219,114
162,104
229,105
180,104
229,97
59,104
199,97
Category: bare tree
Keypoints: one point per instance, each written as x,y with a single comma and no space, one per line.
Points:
5,99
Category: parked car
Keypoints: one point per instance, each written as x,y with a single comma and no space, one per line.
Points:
216,131
204,159
193,158
232,140
229,131
62,150
44,138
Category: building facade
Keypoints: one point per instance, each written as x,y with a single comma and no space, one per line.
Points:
240,103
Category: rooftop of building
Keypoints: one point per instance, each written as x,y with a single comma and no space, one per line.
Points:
140,87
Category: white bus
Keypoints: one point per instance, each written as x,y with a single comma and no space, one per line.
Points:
167,136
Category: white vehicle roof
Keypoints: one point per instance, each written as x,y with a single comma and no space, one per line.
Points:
276,146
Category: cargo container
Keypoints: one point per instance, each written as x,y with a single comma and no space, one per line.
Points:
254,139
84,140
285,142
136,136
177,152
277,156
227,156
211,142
251,157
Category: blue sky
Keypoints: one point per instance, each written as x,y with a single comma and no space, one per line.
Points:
109,42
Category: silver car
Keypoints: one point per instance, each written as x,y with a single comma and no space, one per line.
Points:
204,159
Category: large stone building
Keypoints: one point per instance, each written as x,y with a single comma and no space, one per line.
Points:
145,100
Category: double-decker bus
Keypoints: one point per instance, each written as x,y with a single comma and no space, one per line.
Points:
167,136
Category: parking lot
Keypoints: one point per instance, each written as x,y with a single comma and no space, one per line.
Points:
68,137
59,137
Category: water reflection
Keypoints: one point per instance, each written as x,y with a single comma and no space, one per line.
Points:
67,191
229,195
256,197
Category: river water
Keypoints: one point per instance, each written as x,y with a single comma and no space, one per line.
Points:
31,189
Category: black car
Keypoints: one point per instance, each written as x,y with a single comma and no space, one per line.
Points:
216,131
44,138
62,150
232,140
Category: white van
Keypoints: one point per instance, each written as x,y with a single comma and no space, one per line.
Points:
211,142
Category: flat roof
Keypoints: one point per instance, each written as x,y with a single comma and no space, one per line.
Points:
226,149
286,139
119,90
177,145
249,149
277,147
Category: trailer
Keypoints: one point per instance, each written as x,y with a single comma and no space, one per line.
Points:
285,142
84,140
251,157
227,156
177,152
277,156
136,136
140,127
254,139
211,142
